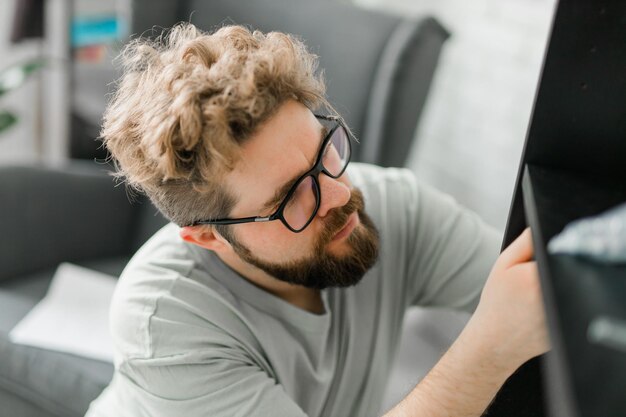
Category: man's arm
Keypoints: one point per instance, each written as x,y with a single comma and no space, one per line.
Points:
463,383
507,329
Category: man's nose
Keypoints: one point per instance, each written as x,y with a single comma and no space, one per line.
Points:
334,193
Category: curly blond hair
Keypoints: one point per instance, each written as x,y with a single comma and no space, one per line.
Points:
188,100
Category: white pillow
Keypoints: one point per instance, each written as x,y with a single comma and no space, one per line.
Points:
73,317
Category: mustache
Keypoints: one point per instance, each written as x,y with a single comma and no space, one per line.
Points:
338,217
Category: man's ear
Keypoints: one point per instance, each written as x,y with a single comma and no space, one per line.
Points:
206,237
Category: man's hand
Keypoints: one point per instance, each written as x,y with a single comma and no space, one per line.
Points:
507,329
510,317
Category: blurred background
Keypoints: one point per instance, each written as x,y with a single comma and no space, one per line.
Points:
470,135
468,141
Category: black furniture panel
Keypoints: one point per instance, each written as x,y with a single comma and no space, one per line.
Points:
573,166
584,378
578,122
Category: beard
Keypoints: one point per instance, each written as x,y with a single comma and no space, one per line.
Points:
323,269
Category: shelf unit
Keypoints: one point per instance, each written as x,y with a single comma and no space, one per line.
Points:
573,166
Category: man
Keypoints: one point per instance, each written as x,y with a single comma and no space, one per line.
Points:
280,286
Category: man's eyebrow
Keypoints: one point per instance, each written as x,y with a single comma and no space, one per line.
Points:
280,194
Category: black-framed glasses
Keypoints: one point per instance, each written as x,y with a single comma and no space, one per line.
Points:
299,207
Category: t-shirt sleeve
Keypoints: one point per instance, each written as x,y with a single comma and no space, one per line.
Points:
449,249
219,381
215,387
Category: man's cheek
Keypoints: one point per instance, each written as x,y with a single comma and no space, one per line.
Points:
271,241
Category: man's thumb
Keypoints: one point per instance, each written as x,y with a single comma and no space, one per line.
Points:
519,251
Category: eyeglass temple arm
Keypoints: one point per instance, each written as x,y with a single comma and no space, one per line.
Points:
255,219
326,117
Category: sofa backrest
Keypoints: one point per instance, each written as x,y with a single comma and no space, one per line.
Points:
52,215
378,67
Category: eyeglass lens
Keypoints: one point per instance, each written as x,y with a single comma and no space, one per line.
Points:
302,205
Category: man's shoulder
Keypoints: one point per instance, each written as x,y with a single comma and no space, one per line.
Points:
368,173
380,182
165,295
383,188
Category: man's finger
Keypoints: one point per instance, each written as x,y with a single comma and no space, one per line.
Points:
521,250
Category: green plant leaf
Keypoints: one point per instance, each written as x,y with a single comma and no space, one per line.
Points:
6,120
13,77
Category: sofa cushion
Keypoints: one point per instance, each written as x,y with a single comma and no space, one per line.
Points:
34,286
32,379
61,383
14,406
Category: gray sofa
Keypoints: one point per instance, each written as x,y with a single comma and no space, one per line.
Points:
379,68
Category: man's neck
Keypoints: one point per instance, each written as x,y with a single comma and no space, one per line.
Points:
302,297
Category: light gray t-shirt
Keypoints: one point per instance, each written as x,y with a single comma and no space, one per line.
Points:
193,338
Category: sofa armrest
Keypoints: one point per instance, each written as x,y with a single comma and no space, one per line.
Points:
50,215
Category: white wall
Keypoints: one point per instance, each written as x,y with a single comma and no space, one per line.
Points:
474,126
18,144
